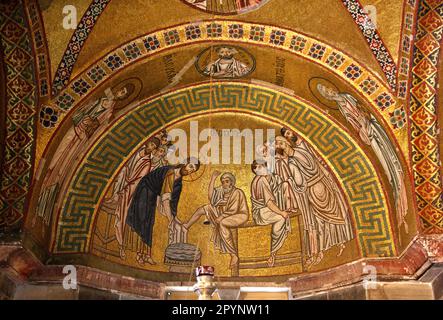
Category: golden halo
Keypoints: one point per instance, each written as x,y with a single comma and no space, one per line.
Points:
134,87
314,82
195,175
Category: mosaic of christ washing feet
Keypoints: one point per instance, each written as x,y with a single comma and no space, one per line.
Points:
221,149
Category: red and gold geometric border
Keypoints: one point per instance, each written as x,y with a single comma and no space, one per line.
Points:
372,37
21,101
78,39
43,65
424,123
405,54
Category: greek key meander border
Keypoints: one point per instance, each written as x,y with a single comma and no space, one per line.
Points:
373,244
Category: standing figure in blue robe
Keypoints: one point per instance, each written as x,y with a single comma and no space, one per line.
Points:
160,188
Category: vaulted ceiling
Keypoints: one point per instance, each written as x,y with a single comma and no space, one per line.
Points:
382,54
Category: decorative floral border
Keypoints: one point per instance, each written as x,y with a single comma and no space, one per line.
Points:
43,68
78,39
22,99
424,120
367,83
400,116
375,42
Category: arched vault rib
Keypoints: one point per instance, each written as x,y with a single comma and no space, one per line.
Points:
377,95
359,177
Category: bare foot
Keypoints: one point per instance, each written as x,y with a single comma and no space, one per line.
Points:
149,260
271,261
139,258
309,262
341,248
319,258
234,262
122,253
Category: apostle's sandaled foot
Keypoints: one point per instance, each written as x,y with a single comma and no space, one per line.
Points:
234,262
271,261
319,258
309,262
148,259
122,253
139,258
341,247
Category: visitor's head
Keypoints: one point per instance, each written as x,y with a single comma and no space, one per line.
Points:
161,133
122,93
228,181
226,52
327,92
266,150
290,135
165,139
281,145
262,150
259,167
190,166
160,152
152,144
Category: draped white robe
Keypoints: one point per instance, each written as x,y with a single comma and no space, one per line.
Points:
373,134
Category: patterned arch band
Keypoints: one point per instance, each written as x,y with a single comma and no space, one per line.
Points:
424,122
360,180
97,7
20,111
368,84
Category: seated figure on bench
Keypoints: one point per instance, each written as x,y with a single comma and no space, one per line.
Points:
227,209
272,203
